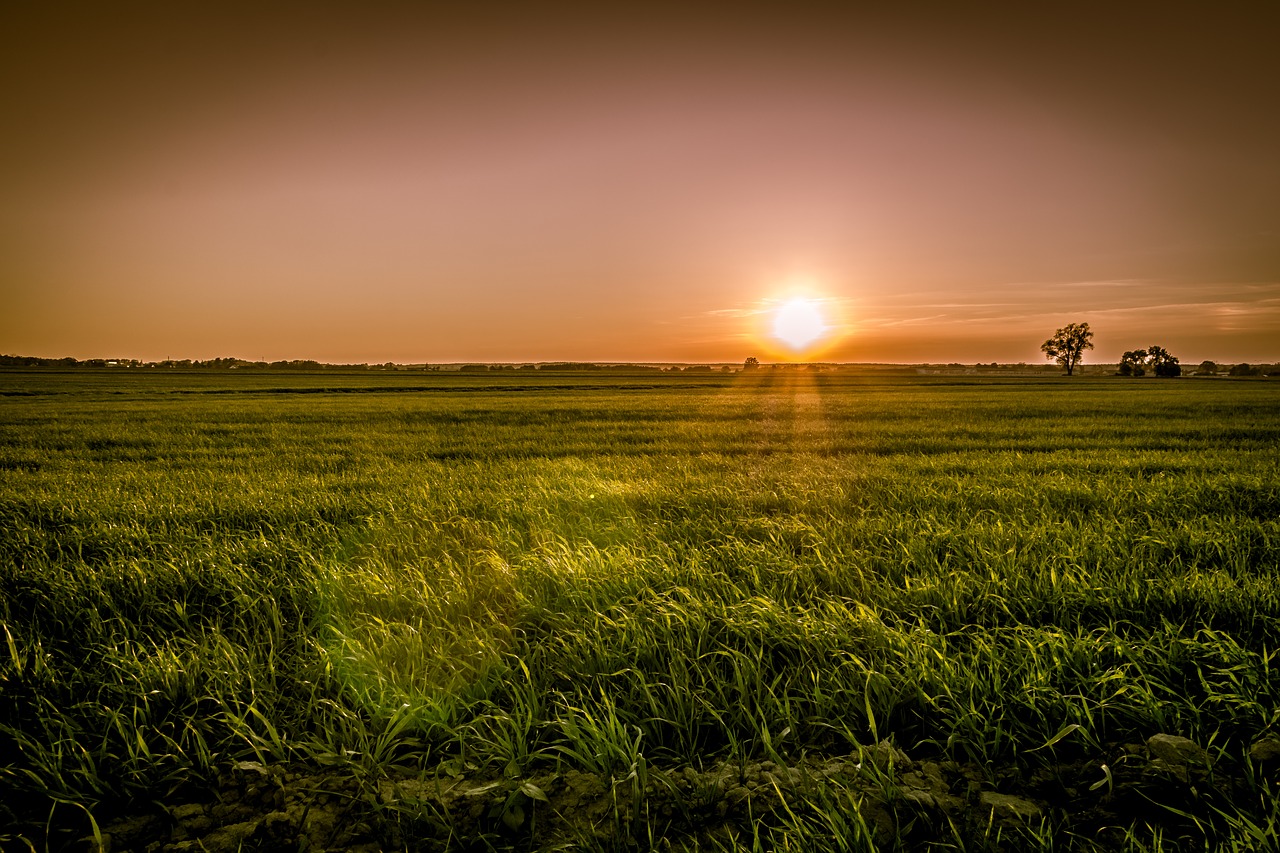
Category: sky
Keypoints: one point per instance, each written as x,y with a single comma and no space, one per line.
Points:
419,182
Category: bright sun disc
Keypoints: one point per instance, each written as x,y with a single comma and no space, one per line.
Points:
798,323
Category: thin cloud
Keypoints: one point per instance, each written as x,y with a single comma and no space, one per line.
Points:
1243,307
966,304
733,313
1115,282
885,323
764,306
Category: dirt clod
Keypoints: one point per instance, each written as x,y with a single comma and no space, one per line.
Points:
1265,750
1008,808
1177,751
895,798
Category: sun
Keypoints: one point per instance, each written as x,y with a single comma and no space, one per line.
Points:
799,323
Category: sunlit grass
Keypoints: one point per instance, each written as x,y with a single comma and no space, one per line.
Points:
615,578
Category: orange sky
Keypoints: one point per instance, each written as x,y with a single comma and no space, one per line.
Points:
391,183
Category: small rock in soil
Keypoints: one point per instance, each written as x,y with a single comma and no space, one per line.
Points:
1267,749
1008,807
1177,751
883,755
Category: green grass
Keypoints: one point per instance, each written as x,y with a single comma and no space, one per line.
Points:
616,572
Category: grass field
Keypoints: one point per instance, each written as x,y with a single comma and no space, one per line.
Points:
768,610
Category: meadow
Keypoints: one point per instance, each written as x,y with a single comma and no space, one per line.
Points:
770,610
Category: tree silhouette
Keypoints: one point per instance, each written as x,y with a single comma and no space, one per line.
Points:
1207,368
1133,363
1068,344
1156,359
1162,363
751,363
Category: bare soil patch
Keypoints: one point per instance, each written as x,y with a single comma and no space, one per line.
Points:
1168,782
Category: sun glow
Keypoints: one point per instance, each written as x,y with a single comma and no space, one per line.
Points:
799,323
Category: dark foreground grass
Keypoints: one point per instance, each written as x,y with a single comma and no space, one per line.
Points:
616,576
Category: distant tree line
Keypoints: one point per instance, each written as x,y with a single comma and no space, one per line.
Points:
1212,368
1245,369
1066,347
309,364
35,361
189,363
560,366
